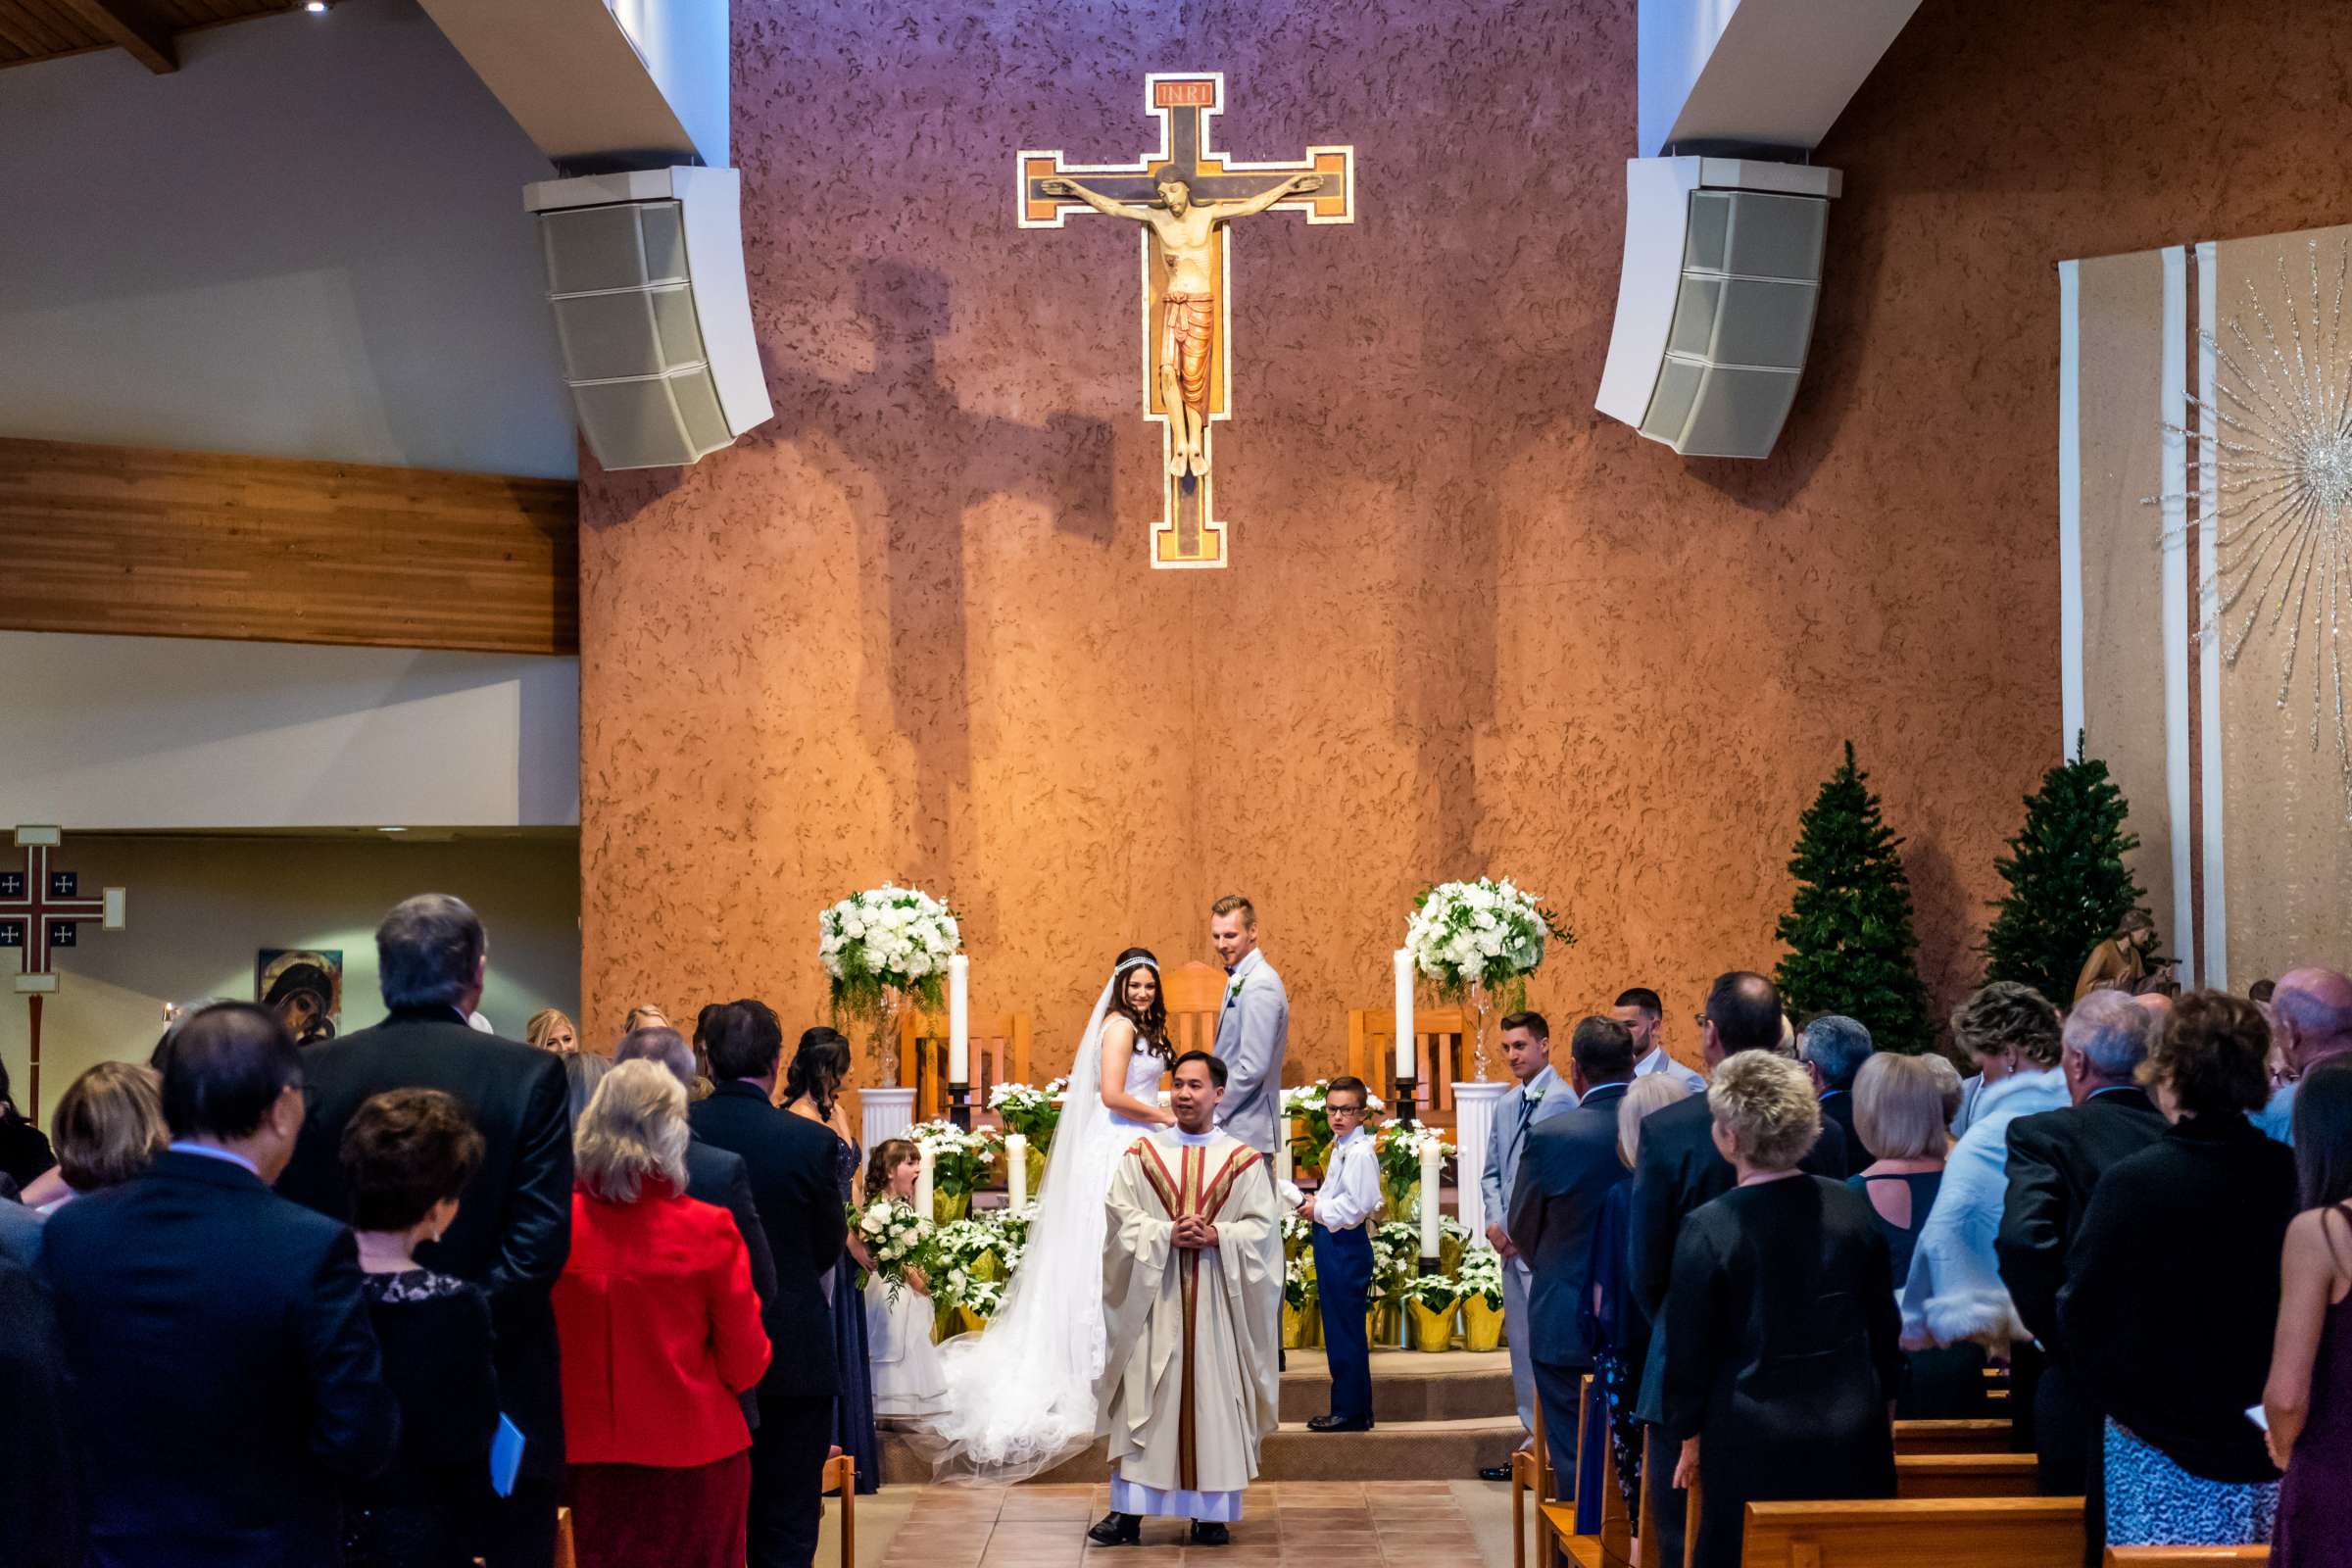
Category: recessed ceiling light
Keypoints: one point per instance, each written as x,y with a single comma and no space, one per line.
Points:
317,8
391,830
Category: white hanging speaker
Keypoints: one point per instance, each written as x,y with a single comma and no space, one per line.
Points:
645,277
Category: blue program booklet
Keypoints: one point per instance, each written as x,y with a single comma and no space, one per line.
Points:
505,1457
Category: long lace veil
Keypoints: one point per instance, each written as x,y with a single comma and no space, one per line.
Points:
1020,1398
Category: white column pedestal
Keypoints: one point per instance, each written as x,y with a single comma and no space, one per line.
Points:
1473,1118
886,1114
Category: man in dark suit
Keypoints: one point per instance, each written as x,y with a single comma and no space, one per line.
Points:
1566,1170
41,1492
2055,1160
1834,1049
513,1225
794,1182
224,1379
1676,1170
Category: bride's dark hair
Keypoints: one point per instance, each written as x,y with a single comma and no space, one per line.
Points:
1150,1024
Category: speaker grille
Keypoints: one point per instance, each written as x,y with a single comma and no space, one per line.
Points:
1743,321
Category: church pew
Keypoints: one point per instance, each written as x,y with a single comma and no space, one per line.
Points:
2185,1556
1928,1533
1964,1475
1951,1437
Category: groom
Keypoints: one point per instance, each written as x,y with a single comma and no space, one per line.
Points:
1191,1269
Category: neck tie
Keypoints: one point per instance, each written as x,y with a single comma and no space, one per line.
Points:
1527,1112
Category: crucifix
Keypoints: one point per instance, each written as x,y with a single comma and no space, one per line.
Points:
40,910
1183,198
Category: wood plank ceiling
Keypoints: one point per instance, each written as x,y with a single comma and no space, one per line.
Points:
34,30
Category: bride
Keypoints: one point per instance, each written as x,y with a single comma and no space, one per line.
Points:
1021,1399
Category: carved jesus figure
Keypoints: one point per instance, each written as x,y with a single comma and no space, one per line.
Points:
1186,232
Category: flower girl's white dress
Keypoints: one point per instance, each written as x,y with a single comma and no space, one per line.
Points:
906,1377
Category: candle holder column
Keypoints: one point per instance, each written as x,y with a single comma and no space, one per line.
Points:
1473,1125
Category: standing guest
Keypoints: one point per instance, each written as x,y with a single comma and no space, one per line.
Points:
2056,1158
24,1152
2314,1011
224,1383
2261,991
812,1091
1834,1048
645,1015
20,1236
109,1126
2187,1231
40,1497
909,1383
1537,1095
1566,1176
661,1333
1782,1359
583,1070
2308,1399
1680,1168
511,1233
1900,1117
794,1161
407,1154
1616,1328
1341,1210
1641,1010
551,1030
1994,1060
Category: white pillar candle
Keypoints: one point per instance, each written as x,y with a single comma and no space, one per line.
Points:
1016,1172
923,1185
1404,1013
1429,1232
959,1019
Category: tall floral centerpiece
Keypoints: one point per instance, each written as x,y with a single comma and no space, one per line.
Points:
1477,943
880,947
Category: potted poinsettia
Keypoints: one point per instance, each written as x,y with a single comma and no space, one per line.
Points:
1430,1301
1481,1280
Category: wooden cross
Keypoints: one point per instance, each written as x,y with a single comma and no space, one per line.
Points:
1188,532
42,910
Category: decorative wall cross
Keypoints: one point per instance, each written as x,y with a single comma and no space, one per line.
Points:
42,910
1184,198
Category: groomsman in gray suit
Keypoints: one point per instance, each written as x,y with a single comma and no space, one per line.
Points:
1252,1031
1539,1096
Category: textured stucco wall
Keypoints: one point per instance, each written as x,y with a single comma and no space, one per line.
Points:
907,630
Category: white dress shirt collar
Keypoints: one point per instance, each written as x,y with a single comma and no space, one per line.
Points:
213,1151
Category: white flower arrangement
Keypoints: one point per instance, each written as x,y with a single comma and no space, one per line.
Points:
1308,1099
1481,1274
960,1158
887,939
1398,1146
895,1237
1034,1113
1479,936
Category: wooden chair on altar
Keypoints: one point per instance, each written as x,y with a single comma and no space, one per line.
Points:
1194,993
1000,1054
1443,1039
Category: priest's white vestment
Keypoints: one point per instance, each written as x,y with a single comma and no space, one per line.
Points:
1192,1335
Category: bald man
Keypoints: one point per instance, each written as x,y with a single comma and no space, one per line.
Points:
2315,1014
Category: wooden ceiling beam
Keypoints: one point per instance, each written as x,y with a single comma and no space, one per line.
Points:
129,29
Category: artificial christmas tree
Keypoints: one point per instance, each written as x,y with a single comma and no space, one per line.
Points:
2069,888
1852,949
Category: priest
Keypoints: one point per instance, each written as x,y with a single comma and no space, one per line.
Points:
1191,1257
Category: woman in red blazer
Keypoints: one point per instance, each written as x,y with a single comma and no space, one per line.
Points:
661,1332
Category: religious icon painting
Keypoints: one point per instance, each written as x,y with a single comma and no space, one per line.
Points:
304,987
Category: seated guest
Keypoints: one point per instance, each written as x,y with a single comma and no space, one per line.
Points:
1835,1048
660,1335
1899,1118
549,1029
2186,1234
2313,1008
1615,1325
2308,1399
407,1156
24,1152
1782,1357
909,1382
1639,1010
2056,1158
109,1126
224,1381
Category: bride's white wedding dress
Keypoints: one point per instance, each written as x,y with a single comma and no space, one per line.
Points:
1020,1398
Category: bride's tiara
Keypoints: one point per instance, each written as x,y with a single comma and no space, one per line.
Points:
1126,964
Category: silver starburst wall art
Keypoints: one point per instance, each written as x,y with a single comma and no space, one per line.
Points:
2278,432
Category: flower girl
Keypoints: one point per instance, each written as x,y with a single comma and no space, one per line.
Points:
906,1377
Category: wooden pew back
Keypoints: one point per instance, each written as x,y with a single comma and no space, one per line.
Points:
1964,1475
1951,1437
2185,1556
1928,1533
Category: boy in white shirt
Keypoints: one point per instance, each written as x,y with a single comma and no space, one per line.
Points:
1342,1209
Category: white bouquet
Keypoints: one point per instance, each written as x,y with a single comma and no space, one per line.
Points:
1478,936
888,939
1481,1274
895,1237
1032,1112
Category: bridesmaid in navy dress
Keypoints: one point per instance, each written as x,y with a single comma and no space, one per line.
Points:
2309,1397
812,1089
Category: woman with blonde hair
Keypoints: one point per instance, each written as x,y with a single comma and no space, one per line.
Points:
550,1029
109,1128
1902,1108
661,1334
1782,1359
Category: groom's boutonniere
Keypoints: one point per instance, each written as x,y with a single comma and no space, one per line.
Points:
1233,988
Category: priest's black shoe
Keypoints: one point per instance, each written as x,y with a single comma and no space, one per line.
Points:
1208,1533
1117,1529
1341,1423
1496,1472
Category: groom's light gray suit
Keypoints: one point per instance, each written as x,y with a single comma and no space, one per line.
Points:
1506,1139
1252,1032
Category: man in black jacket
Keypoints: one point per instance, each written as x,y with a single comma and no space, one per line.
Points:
795,1166
1834,1049
224,1381
2055,1160
513,1225
1567,1168
1676,1170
